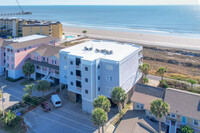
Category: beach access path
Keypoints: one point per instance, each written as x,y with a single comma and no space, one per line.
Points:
146,39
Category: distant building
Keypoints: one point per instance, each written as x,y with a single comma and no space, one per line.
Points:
14,52
21,27
95,67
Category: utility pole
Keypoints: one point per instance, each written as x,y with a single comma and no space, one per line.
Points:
2,87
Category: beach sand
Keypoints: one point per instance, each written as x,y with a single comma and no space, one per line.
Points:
145,39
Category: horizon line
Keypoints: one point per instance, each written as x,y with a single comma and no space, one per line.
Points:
114,5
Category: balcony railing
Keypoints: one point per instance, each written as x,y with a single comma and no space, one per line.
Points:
79,88
78,77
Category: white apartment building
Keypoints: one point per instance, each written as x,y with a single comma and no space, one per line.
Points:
95,67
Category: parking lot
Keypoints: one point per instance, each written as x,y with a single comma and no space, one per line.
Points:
67,119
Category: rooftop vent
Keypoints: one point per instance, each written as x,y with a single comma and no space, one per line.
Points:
97,50
86,48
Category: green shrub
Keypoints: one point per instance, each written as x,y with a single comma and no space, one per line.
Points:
13,80
186,129
11,119
163,84
26,98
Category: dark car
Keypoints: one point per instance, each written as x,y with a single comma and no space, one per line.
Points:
45,106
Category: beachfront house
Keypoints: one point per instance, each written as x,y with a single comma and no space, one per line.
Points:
184,106
46,61
14,52
95,67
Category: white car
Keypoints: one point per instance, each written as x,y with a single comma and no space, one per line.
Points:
55,99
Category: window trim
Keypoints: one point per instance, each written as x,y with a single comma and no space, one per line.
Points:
194,124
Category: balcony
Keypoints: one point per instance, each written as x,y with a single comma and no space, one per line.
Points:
78,77
78,88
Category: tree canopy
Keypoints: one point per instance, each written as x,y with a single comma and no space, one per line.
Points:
28,69
118,96
99,117
43,86
102,102
159,109
145,67
30,88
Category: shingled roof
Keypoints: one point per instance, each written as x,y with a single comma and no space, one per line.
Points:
146,94
48,50
183,103
4,43
33,42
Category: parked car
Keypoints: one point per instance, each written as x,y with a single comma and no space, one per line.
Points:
55,99
45,106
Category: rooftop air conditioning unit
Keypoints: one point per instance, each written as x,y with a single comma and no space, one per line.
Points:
86,48
97,50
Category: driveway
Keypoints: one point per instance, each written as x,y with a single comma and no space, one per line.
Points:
67,119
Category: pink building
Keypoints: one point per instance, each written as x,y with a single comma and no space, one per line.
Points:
46,61
14,52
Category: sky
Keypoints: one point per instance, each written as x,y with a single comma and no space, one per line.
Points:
100,2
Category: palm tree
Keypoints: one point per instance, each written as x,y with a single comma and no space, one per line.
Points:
159,109
118,96
99,116
28,69
192,82
84,32
103,103
29,88
144,68
43,86
161,71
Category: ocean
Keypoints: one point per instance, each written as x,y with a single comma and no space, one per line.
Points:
170,20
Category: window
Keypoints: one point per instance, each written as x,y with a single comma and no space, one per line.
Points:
47,59
78,61
29,47
86,79
71,73
78,73
65,67
78,84
72,83
52,61
65,57
98,77
99,89
43,58
109,78
12,58
196,123
18,51
109,67
98,66
65,76
86,68
55,61
12,66
38,67
173,115
7,57
71,62
86,91
24,49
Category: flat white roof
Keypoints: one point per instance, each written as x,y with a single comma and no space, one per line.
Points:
115,51
27,38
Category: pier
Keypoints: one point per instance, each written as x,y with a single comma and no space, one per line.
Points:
17,13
